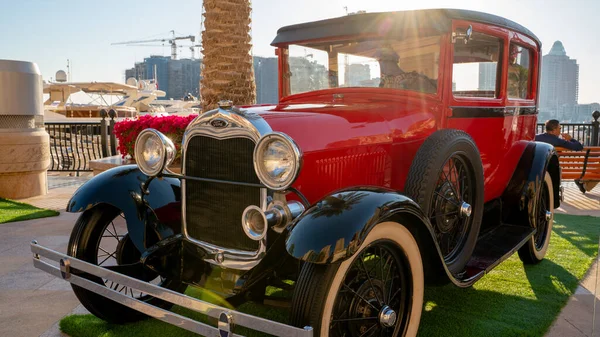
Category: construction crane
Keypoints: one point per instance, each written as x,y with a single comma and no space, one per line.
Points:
193,50
172,41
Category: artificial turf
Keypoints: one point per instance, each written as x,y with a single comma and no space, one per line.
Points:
512,300
11,211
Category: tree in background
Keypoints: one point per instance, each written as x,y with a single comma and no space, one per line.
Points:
227,69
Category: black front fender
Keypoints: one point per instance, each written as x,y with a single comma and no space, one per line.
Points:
333,229
121,188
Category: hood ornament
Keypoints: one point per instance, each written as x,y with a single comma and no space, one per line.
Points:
225,104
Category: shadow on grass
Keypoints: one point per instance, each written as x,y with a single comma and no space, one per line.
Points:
584,237
516,299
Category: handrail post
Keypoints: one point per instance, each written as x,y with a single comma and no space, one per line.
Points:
103,136
595,128
111,131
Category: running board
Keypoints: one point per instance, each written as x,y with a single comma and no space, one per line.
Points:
227,318
493,247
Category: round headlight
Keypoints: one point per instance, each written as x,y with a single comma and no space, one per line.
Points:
277,160
153,152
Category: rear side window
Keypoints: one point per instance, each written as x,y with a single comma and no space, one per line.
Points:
519,72
476,66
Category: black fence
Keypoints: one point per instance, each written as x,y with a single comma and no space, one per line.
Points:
74,144
586,133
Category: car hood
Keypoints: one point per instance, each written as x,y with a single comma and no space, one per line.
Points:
316,127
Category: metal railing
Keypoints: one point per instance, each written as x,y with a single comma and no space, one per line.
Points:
74,144
587,134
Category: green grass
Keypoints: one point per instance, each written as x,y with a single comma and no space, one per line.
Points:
11,211
513,300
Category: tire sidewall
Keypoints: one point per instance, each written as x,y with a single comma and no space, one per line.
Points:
541,253
404,241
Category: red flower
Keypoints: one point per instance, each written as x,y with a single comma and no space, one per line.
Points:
127,130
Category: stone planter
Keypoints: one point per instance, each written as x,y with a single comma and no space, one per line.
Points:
25,145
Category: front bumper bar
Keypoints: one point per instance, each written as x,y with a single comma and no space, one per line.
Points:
226,318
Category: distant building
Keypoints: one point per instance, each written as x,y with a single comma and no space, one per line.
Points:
559,88
177,78
267,81
184,78
487,76
584,112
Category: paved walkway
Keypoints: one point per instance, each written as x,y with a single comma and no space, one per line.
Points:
32,302
577,319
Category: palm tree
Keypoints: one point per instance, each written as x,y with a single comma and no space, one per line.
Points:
227,69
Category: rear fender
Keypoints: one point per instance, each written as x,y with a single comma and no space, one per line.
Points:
332,230
519,197
157,213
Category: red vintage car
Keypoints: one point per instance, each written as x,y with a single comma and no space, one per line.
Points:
400,153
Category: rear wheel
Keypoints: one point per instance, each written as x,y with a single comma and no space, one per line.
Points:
535,249
377,292
100,237
446,180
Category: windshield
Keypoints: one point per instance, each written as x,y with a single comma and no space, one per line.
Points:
410,64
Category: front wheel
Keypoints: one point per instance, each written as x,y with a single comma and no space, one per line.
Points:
100,238
377,292
535,249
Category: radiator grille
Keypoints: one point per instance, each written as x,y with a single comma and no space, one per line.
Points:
214,210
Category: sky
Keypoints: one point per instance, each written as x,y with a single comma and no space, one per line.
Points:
48,32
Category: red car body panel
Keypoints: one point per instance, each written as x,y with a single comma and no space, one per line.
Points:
369,136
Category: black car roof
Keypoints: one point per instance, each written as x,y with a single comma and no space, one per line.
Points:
403,24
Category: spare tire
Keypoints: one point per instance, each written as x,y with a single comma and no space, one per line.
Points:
446,180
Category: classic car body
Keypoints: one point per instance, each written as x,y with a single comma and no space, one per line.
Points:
351,157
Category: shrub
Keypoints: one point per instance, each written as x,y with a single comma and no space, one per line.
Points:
173,127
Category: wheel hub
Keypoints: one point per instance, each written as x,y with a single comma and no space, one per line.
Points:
445,223
387,317
465,210
364,306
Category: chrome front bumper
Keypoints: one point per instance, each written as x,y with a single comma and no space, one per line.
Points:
227,318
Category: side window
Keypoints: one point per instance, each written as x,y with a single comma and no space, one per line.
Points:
518,72
476,66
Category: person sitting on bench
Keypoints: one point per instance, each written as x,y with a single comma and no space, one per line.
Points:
552,136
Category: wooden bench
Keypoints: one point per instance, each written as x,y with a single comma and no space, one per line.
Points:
581,166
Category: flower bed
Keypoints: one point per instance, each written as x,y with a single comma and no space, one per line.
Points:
173,127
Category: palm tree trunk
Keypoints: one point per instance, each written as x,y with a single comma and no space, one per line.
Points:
227,68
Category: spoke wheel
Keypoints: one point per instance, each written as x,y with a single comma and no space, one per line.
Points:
450,207
100,237
115,248
376,292
535,249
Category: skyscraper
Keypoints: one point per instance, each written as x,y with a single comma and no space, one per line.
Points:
265,75
560,83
